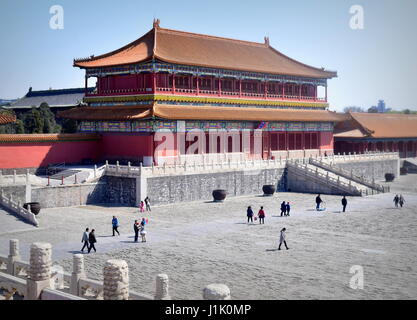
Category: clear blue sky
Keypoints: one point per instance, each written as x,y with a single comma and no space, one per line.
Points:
378,62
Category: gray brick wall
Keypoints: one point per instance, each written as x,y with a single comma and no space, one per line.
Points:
182,188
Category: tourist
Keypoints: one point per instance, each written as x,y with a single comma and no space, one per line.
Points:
148,204
287,209
141,207
283,208
115,224
396,200
401,200
143,233
318,201
344,203
143,222
282,239
249,213
136,230
261,215
85,240
92,240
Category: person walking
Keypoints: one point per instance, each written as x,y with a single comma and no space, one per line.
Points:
318,201
396,200
287,209
143,233
344,203
249,214
261,215
85,240
401,200
136,230
115,225
282,237
283,208
141,207
92,240
143,222
148,204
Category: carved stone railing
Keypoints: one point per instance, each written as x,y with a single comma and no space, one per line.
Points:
41,282
189,168
349,175
304,170
17,208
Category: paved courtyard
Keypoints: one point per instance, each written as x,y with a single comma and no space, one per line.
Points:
202,242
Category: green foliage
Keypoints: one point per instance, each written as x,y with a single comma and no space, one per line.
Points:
373,110
35,120
19,127
69,126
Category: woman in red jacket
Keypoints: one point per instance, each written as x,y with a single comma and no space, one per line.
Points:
261,215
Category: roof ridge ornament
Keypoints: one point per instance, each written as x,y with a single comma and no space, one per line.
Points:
266,39
156,23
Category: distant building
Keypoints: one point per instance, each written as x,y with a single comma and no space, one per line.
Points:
370,132
60,99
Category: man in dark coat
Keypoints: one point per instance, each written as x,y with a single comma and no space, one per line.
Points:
136,229
344,203
318,201
92,240
283,208
287,209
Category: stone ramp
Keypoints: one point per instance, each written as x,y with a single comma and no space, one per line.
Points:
310,179
410,164
306,177
366,185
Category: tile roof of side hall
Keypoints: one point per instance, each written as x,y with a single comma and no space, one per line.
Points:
377,125
183,112
187,48
54,98
5,118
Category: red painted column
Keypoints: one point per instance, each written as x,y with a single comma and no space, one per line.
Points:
286,141
283,90
326,93
265,89
315,93
299,92
240,87
220,86
197,86
153,78
173,83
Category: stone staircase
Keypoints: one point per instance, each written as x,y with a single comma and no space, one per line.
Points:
410,164
360,181
313,178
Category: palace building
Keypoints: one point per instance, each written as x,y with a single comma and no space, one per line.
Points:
229,98
377,132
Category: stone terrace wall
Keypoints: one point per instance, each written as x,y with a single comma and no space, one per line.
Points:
375,168
192,187
18,192
71,195
114,190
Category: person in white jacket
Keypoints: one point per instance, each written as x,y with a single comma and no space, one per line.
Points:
85,240
282,239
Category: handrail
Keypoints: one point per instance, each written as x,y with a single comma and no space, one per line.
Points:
315,174
345,174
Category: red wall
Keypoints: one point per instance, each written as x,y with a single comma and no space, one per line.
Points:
40,154
125,146
326,140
